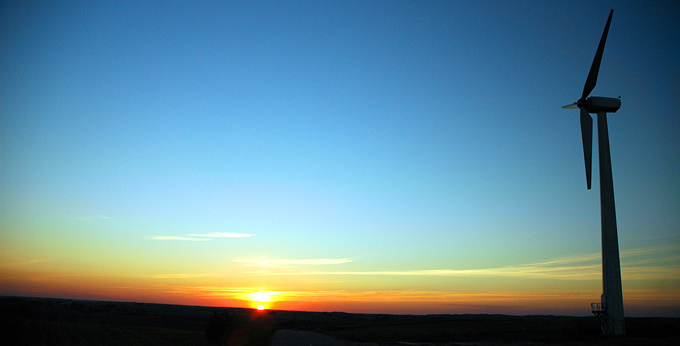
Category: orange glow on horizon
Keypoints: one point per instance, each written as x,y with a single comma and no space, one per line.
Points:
574,300
260,300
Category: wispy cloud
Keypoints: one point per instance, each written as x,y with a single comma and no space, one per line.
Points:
581,267
652,250
373,296
237,293
24,263
182,275
571,259
202,237
222,235
171,237
529,271
575,268
276,262
93,218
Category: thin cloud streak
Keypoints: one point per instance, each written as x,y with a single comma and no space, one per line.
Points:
93,218
25,263
291,262
583,267
238,293
567,273
572,259
444,296
430,296
651,250
170,237
222,235
202,237
182,276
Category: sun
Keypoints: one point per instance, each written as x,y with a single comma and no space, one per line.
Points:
260,300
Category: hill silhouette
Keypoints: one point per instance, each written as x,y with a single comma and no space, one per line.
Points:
47,321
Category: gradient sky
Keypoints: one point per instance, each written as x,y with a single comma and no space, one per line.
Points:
359,156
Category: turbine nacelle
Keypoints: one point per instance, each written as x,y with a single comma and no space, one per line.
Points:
597,104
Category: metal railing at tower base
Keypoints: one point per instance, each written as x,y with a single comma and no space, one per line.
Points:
600,312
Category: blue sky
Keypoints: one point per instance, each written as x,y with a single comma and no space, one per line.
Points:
380,136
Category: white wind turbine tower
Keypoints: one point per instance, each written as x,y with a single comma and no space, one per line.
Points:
610,310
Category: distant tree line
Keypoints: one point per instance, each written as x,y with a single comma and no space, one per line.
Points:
219,327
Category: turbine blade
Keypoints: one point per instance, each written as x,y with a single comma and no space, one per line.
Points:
571,106
595,67
587,136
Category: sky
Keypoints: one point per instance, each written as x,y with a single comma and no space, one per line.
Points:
358,156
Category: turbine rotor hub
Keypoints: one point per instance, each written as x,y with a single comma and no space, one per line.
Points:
597,104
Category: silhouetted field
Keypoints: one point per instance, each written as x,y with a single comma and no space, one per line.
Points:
42,321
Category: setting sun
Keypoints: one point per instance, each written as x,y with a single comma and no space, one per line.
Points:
260,300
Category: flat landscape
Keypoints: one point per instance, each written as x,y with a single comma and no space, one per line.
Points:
43,321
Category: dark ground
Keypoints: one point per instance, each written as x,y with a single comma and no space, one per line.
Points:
43,321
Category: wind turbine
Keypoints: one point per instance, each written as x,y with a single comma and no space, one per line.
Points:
610,310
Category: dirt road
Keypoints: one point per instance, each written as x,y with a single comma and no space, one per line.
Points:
289,337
